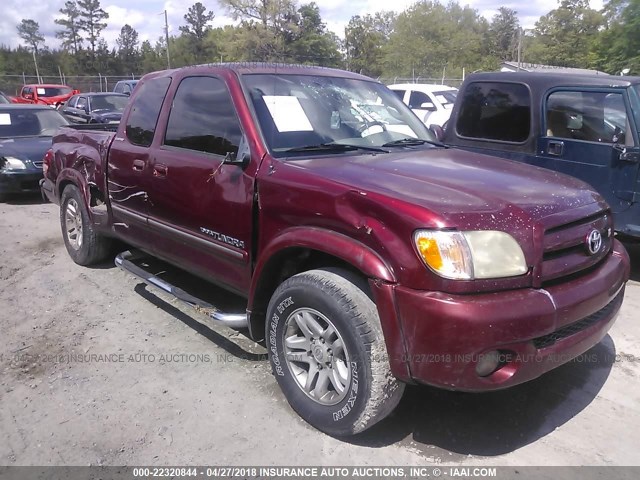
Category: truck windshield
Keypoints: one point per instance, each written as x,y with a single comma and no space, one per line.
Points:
297,112
29,122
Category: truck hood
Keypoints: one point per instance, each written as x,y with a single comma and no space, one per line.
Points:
457,185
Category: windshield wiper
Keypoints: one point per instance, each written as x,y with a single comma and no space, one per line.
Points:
408,141
335,147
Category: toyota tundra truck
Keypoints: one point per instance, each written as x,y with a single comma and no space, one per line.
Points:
368,254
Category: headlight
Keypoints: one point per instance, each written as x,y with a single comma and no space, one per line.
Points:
470,255
12,163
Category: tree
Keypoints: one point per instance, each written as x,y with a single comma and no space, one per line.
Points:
503,34
127,43
70,35
430,39
91,22
310,42
618,45
29,31
196,29
566,35
267,27
365,41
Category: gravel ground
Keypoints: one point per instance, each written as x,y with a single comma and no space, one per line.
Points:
146,382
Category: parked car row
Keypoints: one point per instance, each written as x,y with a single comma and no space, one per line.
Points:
27,124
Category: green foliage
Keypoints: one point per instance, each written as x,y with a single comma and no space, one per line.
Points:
619,42
196,29
365,41
29,31
503,34
428,40
566,35
70,34
91,22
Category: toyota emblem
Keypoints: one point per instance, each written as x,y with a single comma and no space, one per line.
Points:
593,242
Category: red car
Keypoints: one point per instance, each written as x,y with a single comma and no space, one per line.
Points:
46,94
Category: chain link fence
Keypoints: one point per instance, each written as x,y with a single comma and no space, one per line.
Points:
12,84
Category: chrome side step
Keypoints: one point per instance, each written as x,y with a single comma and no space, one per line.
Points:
232,320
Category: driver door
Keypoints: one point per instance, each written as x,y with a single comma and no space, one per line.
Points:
588,134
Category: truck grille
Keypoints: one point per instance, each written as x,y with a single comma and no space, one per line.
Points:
565,246
551,338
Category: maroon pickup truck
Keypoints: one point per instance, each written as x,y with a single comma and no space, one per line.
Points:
369,255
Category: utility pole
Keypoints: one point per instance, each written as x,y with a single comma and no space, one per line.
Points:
35,62
166,36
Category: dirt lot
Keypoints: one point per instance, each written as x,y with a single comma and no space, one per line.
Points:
143,381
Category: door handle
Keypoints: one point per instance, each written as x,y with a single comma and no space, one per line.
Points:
555,148
138,165
160,170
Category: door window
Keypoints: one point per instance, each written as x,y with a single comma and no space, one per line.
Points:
203,118
400,93
417,99
82,103
145,110
588,116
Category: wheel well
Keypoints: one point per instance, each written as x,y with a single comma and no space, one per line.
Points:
283,265
62,186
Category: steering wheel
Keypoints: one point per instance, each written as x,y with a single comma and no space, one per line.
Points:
368,125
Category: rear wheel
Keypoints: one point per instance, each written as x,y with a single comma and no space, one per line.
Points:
84,245
327,351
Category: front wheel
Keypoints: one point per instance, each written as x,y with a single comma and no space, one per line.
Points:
327,351
84,244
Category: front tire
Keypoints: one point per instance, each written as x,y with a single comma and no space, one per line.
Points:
327,351
84,245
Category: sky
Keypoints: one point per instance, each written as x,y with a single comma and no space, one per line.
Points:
146,16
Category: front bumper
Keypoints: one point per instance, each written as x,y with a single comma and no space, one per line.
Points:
535,330
48,190
20,181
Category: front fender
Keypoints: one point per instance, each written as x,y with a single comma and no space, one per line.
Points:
331,243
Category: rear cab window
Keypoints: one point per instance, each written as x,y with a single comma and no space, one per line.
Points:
145,110
496,111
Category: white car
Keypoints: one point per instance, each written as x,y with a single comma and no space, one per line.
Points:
431,103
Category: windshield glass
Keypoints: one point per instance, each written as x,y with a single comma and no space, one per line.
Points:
29,122
3,98
53,91
109,102
296,111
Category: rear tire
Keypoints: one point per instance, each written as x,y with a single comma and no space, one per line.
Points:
84,245
328,354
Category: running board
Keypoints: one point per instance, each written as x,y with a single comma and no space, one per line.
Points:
232,320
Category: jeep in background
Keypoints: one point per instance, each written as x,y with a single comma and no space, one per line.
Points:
586,126
369,255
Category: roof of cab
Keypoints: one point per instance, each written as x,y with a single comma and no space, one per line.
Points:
249,68
550,79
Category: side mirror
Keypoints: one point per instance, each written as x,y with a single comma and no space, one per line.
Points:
630,157
437,131
28,96
232,158
242,158
428,106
